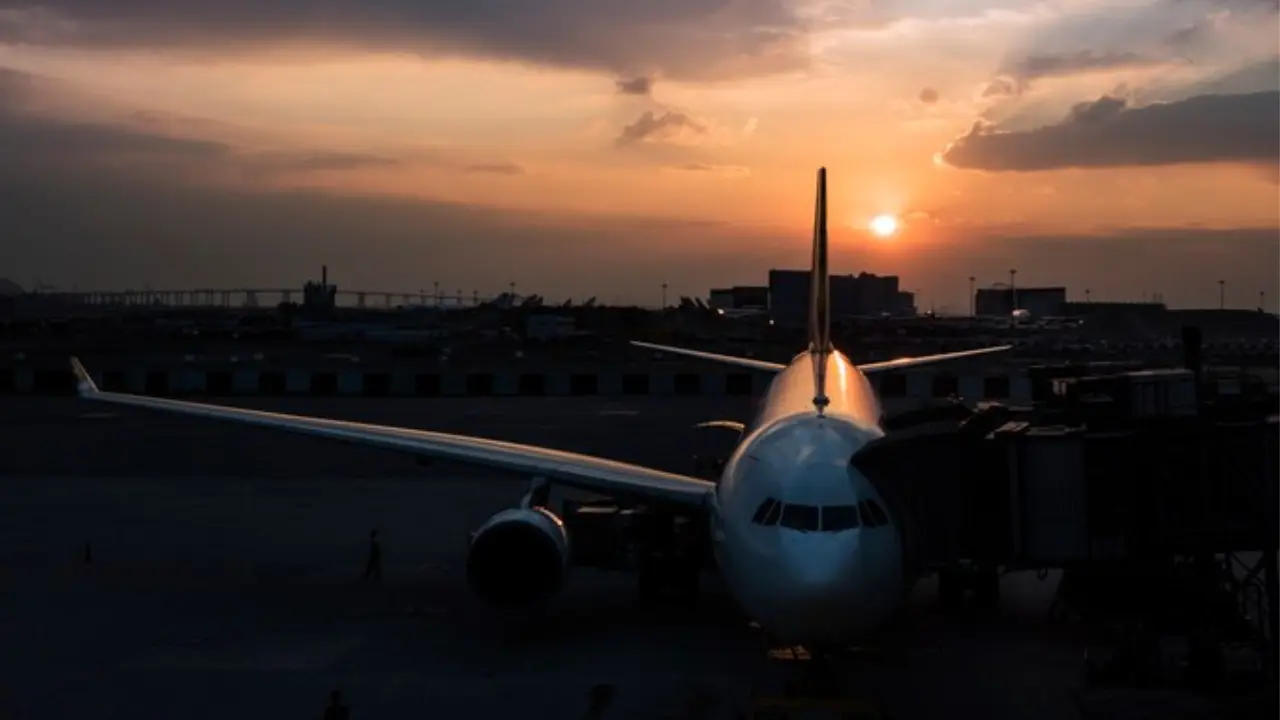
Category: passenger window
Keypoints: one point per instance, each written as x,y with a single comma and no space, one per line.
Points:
877,513
763,511
771,517
800,517
865,513
839,517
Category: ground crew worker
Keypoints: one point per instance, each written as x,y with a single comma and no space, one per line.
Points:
373,568
336,710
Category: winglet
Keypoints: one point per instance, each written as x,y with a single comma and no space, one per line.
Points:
84,381
820,298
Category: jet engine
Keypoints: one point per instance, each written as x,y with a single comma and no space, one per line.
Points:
519,557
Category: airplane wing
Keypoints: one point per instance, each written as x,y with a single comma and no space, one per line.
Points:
868,369
584,472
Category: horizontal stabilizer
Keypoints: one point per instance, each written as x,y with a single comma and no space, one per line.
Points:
868,369
910,362
714,357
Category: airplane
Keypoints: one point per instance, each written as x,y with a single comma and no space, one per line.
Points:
802,539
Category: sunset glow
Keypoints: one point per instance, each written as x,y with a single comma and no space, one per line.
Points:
884,226
494,140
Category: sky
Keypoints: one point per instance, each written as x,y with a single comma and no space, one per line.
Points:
603,147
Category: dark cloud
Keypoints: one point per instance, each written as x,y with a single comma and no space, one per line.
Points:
636,86
1018,75
1039,66
928,96
496,169
658,128
33,140
683,39
1107,133
327,161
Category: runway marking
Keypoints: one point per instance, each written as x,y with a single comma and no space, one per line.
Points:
628,413
98,415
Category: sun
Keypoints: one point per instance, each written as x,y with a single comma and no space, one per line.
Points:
884,225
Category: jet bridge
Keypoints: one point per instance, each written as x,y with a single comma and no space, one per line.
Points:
1159,506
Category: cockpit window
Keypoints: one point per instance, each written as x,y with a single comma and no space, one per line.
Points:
767,513
868,520
877,513
800,517
763,511
809,518
839,517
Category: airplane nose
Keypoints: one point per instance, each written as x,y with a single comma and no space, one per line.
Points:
821,566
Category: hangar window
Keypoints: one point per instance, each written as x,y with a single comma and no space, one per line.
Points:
839,517
800,517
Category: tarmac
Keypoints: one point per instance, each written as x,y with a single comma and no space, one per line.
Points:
223,580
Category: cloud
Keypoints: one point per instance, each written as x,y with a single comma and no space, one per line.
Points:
1017,76
669,127
725,170
928,96
1108,133
327,161
635,86
681,39
40,132
496,169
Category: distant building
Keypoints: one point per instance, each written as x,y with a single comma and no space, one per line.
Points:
851,295
721,298
1002,301
739,297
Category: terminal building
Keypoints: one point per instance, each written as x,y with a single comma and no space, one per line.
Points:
1002,301
851,295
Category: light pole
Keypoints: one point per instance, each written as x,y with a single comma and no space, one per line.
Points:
512,285
972,297
1222,294
437,290
1013,288
1262,300
664,296
1086,295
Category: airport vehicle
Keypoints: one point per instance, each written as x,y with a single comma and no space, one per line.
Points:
803,540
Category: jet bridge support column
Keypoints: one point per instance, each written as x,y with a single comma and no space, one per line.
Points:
1272,579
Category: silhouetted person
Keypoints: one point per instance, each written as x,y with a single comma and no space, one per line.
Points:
336,710
373,568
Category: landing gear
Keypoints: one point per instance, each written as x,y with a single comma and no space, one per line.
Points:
670,556
969,587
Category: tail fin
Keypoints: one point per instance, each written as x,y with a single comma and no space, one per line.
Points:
820,298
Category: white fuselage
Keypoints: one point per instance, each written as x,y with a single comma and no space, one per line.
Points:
826,572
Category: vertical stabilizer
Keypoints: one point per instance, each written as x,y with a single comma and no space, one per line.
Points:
820,298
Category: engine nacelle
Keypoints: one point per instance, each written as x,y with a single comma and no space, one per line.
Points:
519,557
